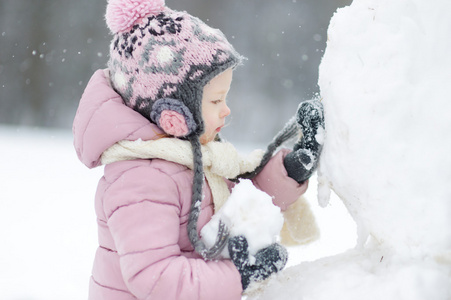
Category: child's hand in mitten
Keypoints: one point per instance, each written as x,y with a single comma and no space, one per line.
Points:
268,260
302,162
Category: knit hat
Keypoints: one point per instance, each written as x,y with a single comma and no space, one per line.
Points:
160,61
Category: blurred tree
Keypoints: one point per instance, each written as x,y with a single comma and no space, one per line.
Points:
47,51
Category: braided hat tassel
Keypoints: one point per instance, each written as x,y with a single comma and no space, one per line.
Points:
196,201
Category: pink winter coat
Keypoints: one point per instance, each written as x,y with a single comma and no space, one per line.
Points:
142,209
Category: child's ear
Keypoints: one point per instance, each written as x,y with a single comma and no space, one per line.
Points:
173,117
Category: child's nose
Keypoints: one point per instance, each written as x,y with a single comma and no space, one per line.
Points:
225,111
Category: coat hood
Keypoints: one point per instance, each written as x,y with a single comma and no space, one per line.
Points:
102,120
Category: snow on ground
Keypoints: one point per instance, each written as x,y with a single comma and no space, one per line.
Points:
47,220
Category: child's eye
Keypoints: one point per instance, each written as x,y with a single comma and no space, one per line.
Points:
216,101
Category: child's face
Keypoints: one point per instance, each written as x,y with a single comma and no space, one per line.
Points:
214,106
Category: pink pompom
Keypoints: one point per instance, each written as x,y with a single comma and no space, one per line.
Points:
173,123
121,15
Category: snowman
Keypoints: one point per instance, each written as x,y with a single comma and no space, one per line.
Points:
384,82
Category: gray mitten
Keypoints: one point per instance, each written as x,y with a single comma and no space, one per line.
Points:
303,161
268,260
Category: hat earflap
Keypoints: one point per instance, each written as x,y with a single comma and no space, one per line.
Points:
173,117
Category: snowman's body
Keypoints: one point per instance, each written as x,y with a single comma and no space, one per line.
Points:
384,83
384,80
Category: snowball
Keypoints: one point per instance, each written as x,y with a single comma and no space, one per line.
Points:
248,212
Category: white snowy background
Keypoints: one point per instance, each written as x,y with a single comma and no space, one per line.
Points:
47,223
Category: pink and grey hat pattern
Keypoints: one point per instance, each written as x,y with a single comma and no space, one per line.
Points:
161,59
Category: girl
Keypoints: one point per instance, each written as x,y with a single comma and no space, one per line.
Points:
165,166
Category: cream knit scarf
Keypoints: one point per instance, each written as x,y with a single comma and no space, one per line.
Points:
220,159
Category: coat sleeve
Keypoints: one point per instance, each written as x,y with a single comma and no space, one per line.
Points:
274,180
143,211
